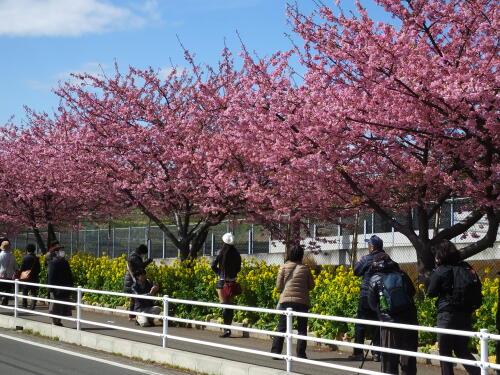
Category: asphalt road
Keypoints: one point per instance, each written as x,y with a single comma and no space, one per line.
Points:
27,355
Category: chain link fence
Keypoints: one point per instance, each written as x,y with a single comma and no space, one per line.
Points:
328,243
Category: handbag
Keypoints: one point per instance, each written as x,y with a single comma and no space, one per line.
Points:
231,288
290,276
25,275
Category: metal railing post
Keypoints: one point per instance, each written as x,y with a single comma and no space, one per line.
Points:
78,307
165,321
98,243
129,238
484,351
212,244
16,292
289,327
163,245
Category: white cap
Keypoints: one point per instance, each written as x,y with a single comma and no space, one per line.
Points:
228,238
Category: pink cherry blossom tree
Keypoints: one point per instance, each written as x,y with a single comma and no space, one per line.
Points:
406,112
157,143
40,187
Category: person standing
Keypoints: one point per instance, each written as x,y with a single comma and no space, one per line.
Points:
226,265
390,295
294,281
30,263
59,273
144,287
450,313
7,269
362,269
136,263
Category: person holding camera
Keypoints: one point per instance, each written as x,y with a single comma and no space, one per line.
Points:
136,263
362,269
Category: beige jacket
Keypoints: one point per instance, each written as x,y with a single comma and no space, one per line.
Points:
298,286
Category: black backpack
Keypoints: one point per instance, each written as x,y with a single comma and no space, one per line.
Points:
466,293
393,289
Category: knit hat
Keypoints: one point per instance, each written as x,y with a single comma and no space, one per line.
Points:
228,238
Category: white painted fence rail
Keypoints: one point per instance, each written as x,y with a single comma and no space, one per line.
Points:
483,335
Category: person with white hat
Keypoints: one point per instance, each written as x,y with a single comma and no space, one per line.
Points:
226,265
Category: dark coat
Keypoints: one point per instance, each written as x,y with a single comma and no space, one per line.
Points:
441,286
142,289
59,273
228,266
31,262
135,263
362,268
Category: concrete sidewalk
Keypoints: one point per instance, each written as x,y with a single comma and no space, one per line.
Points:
314,352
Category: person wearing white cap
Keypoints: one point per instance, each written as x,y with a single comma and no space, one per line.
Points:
226,265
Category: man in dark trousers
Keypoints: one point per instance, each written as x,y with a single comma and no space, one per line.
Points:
390,295
362,268
30,263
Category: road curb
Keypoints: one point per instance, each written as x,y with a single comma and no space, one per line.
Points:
172,357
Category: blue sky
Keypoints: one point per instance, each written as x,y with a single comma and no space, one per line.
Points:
43,41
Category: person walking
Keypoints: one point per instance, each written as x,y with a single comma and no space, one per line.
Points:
30,264
59,273
294,281
144,287
8,268
136,263
226,265
451,312
362,269
390,295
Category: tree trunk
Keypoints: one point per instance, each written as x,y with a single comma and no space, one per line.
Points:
292,237
39,240
425,261
197,243
51,236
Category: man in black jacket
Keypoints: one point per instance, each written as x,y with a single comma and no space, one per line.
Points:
399,309
135,264
362,268
30,262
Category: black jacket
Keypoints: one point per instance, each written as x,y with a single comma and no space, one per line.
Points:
409,316
362,268
441,286
227,267
31,262
142,289
59,273
135,263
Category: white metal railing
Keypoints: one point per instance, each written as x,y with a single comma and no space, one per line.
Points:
484,336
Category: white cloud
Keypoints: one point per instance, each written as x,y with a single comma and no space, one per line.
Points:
69,17
92,68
